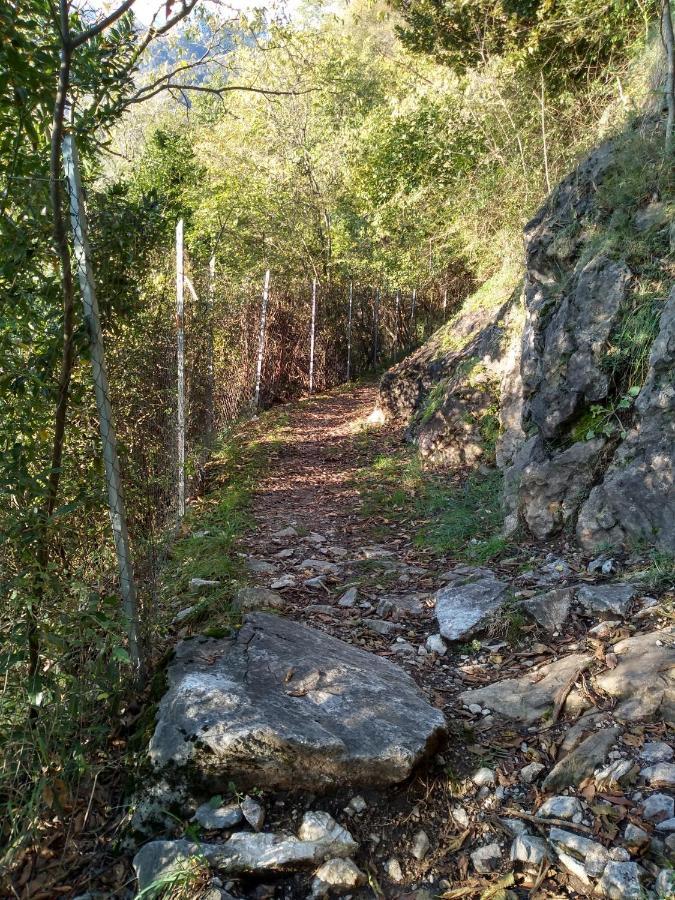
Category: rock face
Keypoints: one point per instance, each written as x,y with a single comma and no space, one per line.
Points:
587,432
636,499
290,707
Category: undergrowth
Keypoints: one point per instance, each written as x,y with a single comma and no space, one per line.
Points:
459,515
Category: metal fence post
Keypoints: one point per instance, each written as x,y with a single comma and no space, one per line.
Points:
349,331
311,338
180,347
83,261
261,339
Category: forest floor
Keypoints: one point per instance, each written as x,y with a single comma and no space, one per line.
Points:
322,480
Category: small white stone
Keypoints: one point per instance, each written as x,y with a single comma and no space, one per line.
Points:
460,815
619,854
620,881
484,777
595,860
420,845
634,836
665,884
667,825
436,644
356,805
660,775
393,869
528,849
475,708
336,876
561,808
487,858
253,813
529,773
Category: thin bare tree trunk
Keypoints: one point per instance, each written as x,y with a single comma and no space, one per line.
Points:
669,44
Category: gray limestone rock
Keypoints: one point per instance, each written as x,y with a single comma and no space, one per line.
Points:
253,813
550,610
218,817
487,858
606,599
464,605
660,775
582,761
635,500
283,705
552,487
656,751
336,876
260,566
561,807
643,682
620,881
658,807
250,598
529,850
529,698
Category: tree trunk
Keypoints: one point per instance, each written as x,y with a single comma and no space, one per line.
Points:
669,44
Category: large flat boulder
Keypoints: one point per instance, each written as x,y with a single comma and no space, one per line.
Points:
283,705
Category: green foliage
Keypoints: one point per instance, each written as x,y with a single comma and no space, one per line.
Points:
568,37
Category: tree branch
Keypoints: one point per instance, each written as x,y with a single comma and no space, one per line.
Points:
141,95
89,33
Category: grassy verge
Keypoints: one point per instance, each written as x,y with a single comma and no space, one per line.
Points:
206,545
453,514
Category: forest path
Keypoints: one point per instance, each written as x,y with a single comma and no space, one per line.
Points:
312,486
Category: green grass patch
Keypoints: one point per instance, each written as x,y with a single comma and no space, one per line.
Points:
206,547
460,517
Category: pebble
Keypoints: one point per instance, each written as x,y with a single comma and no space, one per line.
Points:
460,815
420,845
665,884
657,751
182,614
528,849
574,866
619,854
484,777
667,825
562,808
198,584
528,774
336,876
487,858
620,881
662,775
436,644
216,817
635,837
596,860
393,869
253,813
348,599
475,708
283,582
356,805
658,806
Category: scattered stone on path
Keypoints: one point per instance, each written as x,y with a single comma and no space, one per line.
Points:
253,813
658,807
531,772
321,827
182,614
356,805
285,554
291,707
606,599
318,581
218,817
642,682
464,605
250,598
285,581
393,869
487,858
260,566
435,644
322,566
656,751
244,853
420,845
581,762
379,626
284,534
620,881
562,807
660,775
529,698
399,606
552,609
336,876
484,777
528,849
348,599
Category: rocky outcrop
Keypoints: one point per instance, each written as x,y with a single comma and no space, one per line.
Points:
636,498
447,392
586,430
290,707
